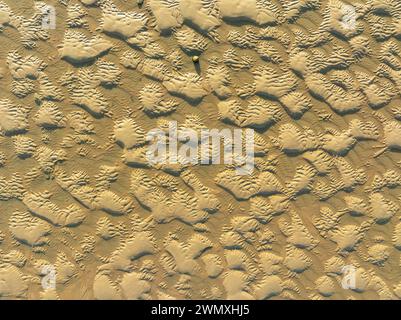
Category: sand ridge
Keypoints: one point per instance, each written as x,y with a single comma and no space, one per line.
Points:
318,81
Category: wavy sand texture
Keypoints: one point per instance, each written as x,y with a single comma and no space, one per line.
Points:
318,81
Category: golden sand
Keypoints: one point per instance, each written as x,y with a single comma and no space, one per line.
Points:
319,81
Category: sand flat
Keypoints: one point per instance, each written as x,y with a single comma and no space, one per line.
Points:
85,215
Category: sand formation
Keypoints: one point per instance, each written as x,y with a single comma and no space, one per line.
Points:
319,82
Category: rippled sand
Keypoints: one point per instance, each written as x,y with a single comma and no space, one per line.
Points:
84,215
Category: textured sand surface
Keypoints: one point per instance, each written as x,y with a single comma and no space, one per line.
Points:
78,195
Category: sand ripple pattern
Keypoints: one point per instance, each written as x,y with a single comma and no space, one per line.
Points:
76,190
